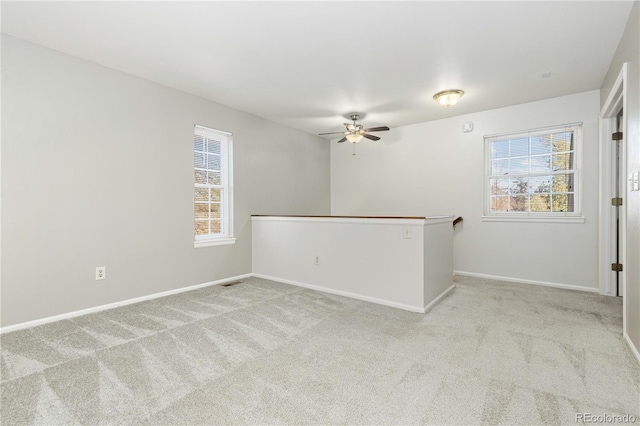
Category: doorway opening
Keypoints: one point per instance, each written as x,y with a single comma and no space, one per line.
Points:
617,138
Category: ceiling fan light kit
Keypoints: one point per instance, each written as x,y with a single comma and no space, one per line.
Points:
354,137
448,98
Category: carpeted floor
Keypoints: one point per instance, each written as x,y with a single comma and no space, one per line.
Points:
267,353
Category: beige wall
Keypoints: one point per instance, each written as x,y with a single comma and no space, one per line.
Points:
629,51
97,170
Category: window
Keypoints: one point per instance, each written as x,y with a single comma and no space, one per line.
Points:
534,174
213,196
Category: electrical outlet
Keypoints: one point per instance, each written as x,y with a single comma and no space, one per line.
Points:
406,233
101,273
317,260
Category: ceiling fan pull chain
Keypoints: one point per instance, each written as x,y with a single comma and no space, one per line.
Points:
354,149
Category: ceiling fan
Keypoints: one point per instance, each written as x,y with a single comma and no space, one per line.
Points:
355,132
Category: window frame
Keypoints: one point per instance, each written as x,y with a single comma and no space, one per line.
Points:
226,236
527,216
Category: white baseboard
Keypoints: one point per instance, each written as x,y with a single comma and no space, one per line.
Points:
441,296
522,281
116,304
410,308
632,346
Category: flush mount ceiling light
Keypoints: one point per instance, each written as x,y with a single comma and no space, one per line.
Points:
448,98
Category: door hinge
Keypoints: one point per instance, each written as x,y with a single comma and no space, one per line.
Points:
617,267
616,201
617,136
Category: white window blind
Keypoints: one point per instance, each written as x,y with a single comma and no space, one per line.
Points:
534,173
212,184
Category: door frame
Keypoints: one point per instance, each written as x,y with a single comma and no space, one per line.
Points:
616,99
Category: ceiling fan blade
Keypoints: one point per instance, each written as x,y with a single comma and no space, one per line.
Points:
373,138
342,140
334,133
377,129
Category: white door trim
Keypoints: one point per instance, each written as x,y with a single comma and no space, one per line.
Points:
616,99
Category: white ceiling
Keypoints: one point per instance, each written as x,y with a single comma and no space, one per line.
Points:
307,64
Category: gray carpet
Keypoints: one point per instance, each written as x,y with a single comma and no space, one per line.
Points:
268,353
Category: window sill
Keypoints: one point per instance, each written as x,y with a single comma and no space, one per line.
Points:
214,242
555,219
